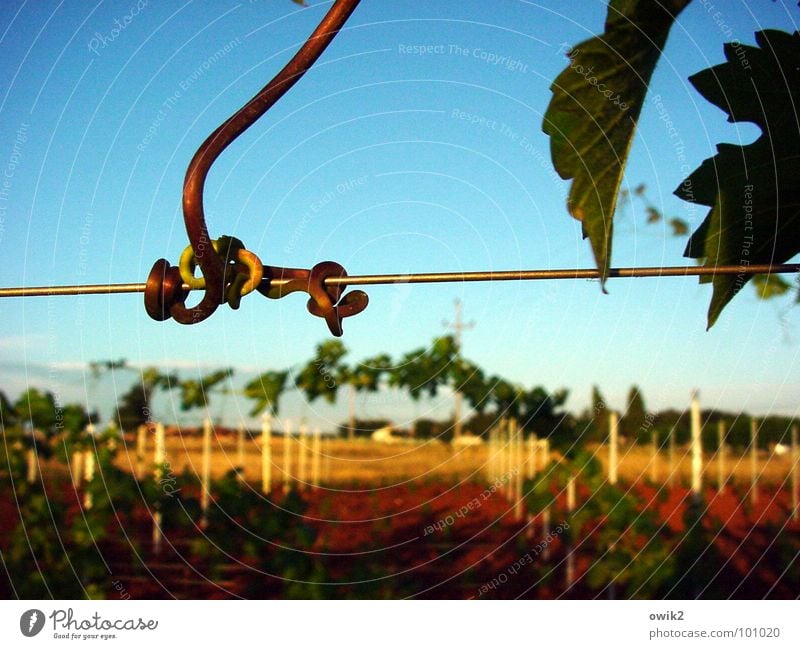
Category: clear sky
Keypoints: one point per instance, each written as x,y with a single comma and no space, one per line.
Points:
386,157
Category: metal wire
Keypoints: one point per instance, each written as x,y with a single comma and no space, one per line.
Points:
435,278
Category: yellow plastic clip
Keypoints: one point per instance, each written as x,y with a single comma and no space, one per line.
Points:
243,269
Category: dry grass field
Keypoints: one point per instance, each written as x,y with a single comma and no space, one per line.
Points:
364,461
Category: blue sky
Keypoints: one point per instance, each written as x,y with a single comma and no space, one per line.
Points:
382,158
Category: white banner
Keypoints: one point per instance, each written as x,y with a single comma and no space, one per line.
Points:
400,624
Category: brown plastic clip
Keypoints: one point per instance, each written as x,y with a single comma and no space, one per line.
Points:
325,301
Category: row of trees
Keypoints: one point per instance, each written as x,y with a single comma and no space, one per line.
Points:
419,373
638,425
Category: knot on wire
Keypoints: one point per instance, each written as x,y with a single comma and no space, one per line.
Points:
242,269
326,299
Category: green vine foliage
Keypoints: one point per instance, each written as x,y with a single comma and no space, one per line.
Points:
592,117
57,550
613,525
752,190
269,537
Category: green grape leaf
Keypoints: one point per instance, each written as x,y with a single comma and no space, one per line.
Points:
266,390
595,106
679,227
768,286
752,190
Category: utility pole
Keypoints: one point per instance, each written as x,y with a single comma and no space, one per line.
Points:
458,326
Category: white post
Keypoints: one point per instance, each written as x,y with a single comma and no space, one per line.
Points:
795,472
159,453
720,455
571,494
351,413
530,530
495,454
570,576
503,453
77,468
141,449
302,448
753,461
613,444
546,533
671,476
545,453
532,442
33,466
316,452
489,465
240,469
88,475
327,466
287,455
654,462
205,477
518,506
88,465
159,457
509,478
266,455
697,448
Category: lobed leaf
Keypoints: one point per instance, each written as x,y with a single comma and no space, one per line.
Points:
752,190
595,107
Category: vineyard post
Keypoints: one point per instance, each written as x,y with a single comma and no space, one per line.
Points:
493,459
77,468
33,466
721,455
266,455
159,452
159,457
490,455
497,457
671,457
530,528
795,472
570,577
88,476
287,455
205,477
141,449
512,462
504,463
302,439
697,448
351,413
240,472
753,461
518,504
546,533
532,442
316,451
613,443
654,461
327,466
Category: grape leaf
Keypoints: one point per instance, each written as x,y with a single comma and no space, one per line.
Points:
679,227
266,390
752,189
595,106
769,286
